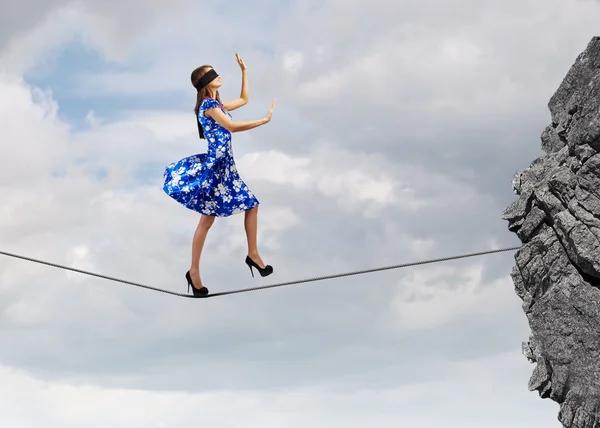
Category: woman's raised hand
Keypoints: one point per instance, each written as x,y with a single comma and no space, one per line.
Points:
240,61
270,112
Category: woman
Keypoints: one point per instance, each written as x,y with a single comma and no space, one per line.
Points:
209,183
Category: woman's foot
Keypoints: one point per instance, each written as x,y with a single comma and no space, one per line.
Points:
258,264
194,281
256,259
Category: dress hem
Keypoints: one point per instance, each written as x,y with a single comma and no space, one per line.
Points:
214,213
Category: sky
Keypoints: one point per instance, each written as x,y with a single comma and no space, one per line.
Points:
396,133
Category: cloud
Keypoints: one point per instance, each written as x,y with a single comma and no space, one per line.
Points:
20,18
65,405
435,297
38,30
293,61
365,185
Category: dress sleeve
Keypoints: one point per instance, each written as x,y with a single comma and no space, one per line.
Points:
208,103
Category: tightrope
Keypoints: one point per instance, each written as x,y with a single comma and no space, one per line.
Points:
244,290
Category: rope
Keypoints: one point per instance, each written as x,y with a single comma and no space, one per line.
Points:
244,290
360,272
110,278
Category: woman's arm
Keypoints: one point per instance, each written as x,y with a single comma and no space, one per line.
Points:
226,122
243,99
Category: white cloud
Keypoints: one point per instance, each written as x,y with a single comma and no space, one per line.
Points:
103,26
428,298
79,257
421,62
293,61
30,152
477,385
277,167
36,49
354,180
461,52
92,120
274,220
325,87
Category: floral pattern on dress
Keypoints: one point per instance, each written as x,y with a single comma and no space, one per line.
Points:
209,183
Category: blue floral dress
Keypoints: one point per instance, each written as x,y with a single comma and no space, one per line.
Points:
208,183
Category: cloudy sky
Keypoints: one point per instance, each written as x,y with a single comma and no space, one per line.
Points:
397,129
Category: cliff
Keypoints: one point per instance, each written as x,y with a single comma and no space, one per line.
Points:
557,270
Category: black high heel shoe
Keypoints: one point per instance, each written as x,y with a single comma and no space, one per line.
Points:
268,269
197,292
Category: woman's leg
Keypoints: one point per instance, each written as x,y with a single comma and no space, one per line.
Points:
251,225
206,221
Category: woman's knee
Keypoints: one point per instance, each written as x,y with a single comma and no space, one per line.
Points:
206,221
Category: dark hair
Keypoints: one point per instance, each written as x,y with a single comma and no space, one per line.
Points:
195,77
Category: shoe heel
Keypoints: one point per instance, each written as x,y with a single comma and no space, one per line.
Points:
189,279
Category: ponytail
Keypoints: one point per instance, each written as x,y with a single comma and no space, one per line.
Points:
196,110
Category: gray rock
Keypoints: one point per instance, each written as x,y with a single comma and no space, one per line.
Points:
557,271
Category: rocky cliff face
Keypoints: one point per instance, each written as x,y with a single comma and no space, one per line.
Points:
557,270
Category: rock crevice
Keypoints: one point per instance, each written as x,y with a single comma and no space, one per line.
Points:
557,270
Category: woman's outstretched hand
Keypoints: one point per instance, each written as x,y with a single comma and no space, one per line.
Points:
270,112
240,61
